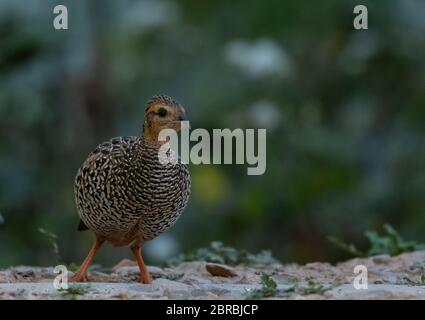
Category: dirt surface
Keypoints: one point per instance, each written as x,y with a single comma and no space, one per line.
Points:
401,277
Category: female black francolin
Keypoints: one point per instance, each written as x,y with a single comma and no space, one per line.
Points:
125,195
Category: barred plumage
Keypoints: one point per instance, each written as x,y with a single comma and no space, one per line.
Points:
124,194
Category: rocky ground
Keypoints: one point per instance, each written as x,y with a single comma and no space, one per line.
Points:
401,277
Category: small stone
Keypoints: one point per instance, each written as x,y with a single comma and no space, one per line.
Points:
125,271
25,271
381,259
171,286
132,270
155,270
124,263
198,293
6,277
219,270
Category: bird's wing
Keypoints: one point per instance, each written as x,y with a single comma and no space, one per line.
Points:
110,159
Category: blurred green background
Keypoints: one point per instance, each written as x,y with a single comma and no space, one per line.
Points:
344,110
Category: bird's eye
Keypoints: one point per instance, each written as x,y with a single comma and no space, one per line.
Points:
162,112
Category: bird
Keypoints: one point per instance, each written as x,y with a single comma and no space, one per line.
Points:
125,195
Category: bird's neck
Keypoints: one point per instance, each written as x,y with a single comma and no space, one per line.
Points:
148,146
150,136
150,151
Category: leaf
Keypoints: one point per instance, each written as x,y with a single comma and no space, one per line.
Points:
313,288
348,247
51,238
390,242
217,252
268,289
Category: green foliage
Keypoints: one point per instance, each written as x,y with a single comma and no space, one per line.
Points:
173,277
219,253
74,291
312,288
52,239
268,288
389,242
347,247
420,282
72,267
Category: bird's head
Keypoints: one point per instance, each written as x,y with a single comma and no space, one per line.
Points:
162,112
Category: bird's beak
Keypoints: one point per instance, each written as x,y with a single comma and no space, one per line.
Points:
183,117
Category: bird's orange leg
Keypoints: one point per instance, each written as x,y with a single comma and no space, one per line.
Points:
145,277
81,273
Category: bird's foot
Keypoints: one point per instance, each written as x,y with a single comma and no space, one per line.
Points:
79,278
145,279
